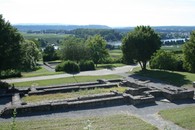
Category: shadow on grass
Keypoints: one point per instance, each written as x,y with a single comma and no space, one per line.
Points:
168,77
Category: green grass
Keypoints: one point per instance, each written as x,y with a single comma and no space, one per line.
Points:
64,80
57,96
184,117
109,66
116,54
172,48
170,77
39,72
102,122
51,38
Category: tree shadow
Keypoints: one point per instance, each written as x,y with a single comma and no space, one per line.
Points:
167,77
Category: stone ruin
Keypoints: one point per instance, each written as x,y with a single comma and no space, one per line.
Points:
138,92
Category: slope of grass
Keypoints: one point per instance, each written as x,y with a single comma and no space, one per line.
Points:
170,77
109,66
57,96
114,122
184,117
64,80
39,72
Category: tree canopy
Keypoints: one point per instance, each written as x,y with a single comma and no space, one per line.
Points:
189,53
30,55
10,51
140,44
97,47
49,53
163,60
74,49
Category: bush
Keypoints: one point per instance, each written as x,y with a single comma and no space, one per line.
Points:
68,67
87,65
4,85
163,60
10,73
59,67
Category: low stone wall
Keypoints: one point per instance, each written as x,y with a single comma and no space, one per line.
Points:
70,89
87,101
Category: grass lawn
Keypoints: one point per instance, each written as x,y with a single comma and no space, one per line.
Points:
115,53
65,80
114,122
171,77
39,72
184,117
109,66
57,96
172,48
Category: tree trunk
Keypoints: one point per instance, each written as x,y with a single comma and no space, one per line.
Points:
144,65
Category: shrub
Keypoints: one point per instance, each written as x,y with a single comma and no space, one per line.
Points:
68,67
59,67
10,73
4,85
87,65
163,60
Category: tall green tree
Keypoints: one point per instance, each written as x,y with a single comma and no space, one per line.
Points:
10,52
30,55
140,44
97,47
189,53
74,49
49,53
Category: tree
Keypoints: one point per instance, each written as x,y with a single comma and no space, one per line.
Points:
49,53
140,44
163,60
97,47
30,55
189,53
10,51
74,49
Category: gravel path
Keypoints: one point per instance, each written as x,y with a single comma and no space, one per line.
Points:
116,70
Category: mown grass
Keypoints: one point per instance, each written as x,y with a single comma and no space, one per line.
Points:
109,66
39,72
172,48
116,54
57,96
102,122
184,117
65,80
171,77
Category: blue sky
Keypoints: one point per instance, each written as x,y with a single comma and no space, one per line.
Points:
114,13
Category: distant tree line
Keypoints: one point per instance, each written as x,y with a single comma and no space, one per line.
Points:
107,34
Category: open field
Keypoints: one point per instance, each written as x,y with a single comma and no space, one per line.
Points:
57,96
172,48
184,117
114,122
116,54
65,80
170,77
51,38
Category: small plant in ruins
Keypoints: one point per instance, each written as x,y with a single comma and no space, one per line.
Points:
88,125
13,125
